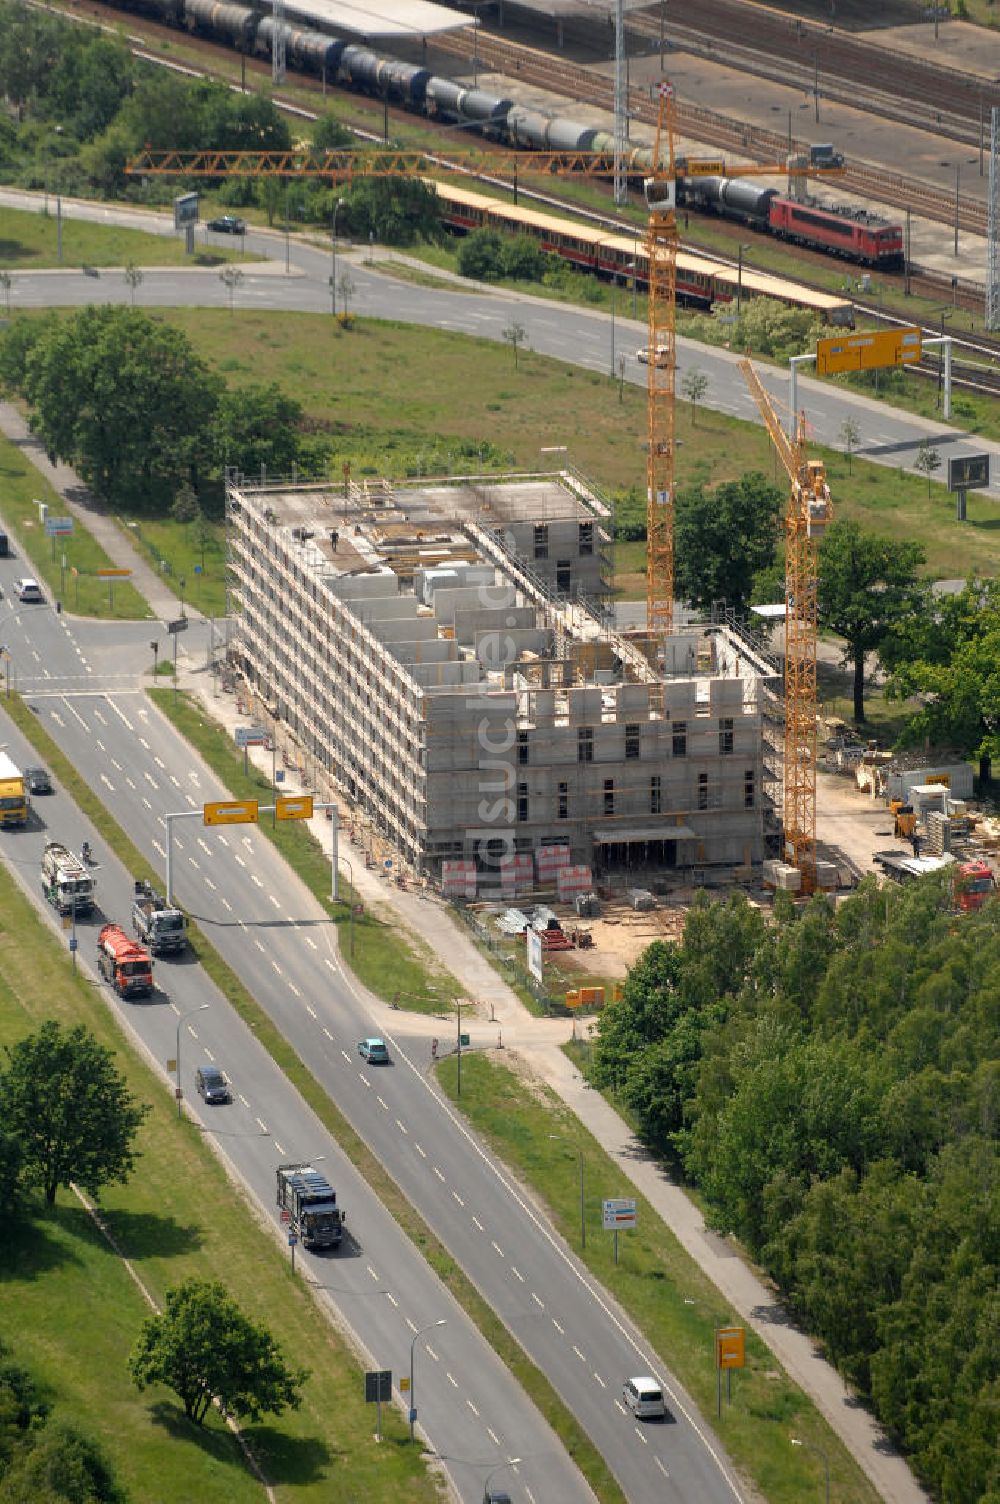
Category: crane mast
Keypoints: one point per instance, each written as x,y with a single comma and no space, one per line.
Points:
808,513
661,249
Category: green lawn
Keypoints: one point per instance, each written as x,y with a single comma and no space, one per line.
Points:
71,1313
29,241
661,1288
82,593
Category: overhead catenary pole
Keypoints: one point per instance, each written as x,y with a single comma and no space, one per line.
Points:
993,228
621,105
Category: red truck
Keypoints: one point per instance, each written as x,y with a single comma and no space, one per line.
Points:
124,963
975,882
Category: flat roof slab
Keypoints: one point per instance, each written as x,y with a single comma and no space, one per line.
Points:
375,20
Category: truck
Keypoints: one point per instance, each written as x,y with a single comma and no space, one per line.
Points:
13,798
308,1204
66,883
974,884
823,154
124,963
973,881
161,928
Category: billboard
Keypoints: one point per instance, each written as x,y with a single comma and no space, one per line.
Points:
730,1347
619,1212
868,351
968,472
185,210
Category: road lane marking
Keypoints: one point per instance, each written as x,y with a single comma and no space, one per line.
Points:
453,1382
496,1245
579,1353
364,1080
209,884
107,783
660,1465
516,1271
292,988
243,1099
208,1052
150,780
621,1407
271,896
227,905
255,879
437,1172
310,1010
206,848
560,1329
458,1198
472,1407
420,1151
493,1436
310,942
538,1302
477,1223
383,1104
259,943
279,1147
392,1300
240,859
261,1126
346,1056
371,1271
328,1034
430,1352
412,1325
196,865
159,762
641,1437
600,1380
402,1127
130,783
277,969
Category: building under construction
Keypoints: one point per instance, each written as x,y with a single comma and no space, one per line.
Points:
445,652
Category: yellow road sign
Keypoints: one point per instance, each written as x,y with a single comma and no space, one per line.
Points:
703,167
242,812
730,1347
868,351
293,807
114,574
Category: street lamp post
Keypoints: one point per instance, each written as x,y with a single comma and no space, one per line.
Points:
350,906
583,1204
441,1321
458,1089
510,1462
177,1058
944,314
333,258
821,1452
739,279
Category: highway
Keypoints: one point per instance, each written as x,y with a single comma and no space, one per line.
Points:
278,940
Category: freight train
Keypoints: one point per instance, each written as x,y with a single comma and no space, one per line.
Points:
852,233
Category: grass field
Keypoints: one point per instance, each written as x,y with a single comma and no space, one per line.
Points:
29,241
72,1314
663,1290
83,592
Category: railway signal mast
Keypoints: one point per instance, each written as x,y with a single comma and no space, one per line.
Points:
661,248
809,513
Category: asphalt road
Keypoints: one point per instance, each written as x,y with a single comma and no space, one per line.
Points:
277,939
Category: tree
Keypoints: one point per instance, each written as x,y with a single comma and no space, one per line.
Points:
722,538
850,433
6,282
516,335
204,1348
868,591
927,461
185,506
257,428
399,211
329,134
232,279
62,1096
126,400
694,385
480,254
61,1464
11,1170
949,657
134,279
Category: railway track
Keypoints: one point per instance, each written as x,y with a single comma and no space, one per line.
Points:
574,81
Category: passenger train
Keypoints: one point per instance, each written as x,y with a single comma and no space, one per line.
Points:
853,233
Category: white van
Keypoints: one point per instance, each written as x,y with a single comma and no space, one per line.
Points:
644,1397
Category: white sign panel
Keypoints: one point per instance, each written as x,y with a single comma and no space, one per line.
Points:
535,954
619,1212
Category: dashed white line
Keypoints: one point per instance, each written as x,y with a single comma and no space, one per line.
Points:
517,1273
279,1147
311,942
259,943
371,1271
159,849
600,1380
420,1151
271,896
621,1407
383,1104
195,864
364,1080
328,1034
310,1010
476,1223
208,1052
292,988
391,1298
107,782
496,1245
151,780
329,963
537,1301
493,1436
412,1325
261,1126
130,783
579,1353
209,884
277,968
402,1127
206,848
560,1329
239,859
661,1466
256,880
437,1172
430,1352
243,1099
227,905
641,1437
472,1407
346,1056
453,1382
458,1198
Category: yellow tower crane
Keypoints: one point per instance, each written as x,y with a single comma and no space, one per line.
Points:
661,249
809,513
